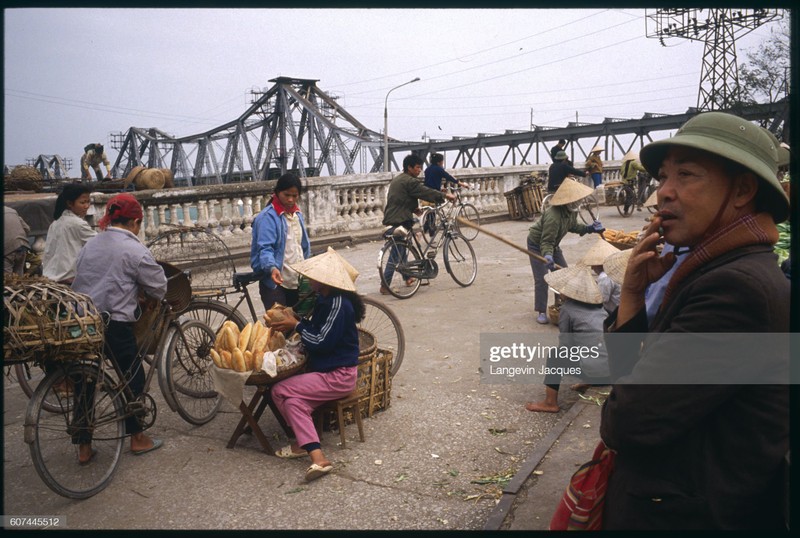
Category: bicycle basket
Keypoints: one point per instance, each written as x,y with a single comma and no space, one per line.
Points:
200,252
46,320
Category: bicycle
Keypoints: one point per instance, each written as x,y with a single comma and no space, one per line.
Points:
400,245
98,399
430,217
588,208
628,196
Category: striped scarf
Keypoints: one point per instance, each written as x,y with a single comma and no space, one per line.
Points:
753,229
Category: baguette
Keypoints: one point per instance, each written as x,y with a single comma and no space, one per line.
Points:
244,336
262,338
276,341
237,360
229,339
258,359
225,356
248,360
216,358
258,328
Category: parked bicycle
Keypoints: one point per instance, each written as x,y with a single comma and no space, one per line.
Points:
431,220
91,395
403,254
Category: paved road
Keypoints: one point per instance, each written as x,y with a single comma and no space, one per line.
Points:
428,462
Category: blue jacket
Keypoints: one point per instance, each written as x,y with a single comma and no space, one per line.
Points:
330,336
434,174
269,242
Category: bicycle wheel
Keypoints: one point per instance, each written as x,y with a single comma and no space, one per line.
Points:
29,375
459,260
470,214
546,202
186,369
624,201
589,209
91,407
382,322
213,313
403,261
430,225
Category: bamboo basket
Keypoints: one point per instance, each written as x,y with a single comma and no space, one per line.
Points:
46,320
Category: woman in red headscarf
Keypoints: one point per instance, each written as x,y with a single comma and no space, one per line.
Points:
114,268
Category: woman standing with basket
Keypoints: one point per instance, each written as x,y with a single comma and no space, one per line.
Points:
330,338
67,234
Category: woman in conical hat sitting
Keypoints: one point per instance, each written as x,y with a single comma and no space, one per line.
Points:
547,232
580,324
330,338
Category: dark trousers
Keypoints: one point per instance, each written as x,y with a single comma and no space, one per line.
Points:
540,288
120,343
278,294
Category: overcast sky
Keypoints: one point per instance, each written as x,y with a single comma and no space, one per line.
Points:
73,76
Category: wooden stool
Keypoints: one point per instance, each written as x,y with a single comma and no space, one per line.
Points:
350,401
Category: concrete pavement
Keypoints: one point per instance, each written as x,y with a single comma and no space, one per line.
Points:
438,458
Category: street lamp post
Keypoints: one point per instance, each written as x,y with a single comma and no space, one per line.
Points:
386,125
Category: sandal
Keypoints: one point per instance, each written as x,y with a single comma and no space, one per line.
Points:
287,453
317,471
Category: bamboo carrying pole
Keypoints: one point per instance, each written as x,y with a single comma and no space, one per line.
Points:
538,258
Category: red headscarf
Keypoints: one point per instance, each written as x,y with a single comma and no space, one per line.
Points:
122,205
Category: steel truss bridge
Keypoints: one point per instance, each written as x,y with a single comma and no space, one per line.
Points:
295,126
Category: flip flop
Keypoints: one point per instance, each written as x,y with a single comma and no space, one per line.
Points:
287,453
157,443
316,471
90,460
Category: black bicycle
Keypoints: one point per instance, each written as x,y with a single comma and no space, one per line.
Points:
403,262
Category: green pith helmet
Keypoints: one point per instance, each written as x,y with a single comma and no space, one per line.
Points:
735,139
560,156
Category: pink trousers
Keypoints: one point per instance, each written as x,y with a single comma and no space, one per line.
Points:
296,398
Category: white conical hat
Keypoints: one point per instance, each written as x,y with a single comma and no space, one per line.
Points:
615,265
570,191
327,268
575,282
352,271
597,148
652,200
599,251
632,155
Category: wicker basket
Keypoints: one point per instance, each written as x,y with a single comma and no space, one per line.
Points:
45,320
553,311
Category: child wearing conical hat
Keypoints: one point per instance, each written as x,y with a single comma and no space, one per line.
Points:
330,339
580,323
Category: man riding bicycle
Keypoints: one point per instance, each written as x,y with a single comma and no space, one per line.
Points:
635,176
434,175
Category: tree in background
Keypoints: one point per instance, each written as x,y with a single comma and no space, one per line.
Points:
764,77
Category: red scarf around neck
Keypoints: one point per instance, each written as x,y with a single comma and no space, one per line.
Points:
753,229
280,208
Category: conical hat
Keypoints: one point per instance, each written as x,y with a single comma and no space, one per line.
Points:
327,268
632,155
575,282
597,148
652,200
570,191
352,271
596,255
615,265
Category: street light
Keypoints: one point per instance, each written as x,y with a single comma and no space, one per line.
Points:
386,125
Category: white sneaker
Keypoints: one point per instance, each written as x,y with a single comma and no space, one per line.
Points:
542,318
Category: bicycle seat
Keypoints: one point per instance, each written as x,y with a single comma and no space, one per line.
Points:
243,279
398,231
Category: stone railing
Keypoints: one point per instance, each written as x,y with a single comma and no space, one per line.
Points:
331,205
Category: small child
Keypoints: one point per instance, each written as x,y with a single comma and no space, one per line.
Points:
580,323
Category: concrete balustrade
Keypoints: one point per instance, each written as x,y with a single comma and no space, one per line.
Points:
331,205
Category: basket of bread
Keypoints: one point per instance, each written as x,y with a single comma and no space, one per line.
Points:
620,239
